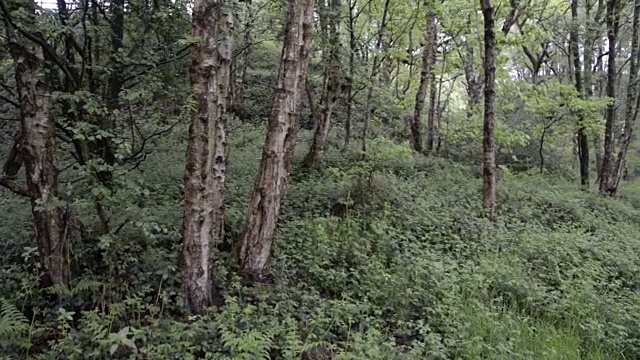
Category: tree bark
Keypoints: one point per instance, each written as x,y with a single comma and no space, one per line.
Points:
350,80
205,174
39,151
632,96
428,59
277,155
610,113
489,191
583,143
432,125
375,70
474,87
331,93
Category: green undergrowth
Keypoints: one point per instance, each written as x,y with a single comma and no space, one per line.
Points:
386,257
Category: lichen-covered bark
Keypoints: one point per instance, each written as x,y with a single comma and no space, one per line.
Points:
205,174
331,93
254,253
489,192
428,59
38,149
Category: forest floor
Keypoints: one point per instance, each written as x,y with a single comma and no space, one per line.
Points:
405,268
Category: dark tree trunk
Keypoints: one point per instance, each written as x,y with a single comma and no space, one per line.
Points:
277,156
583,142
632,96
350,81
241,65
428,59
205,174
14,160
375,75
474,87
331,93
489,191
612,36
39,151
432,125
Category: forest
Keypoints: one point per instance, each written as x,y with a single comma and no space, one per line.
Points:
319,179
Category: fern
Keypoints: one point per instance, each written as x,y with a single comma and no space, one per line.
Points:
83,285
13,324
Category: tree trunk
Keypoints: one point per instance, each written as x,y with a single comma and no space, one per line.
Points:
632,95
375,70
428,59
583,143
331,93
205,174
277,155
351,80
39,150
489,192
241,65
432,125
612,36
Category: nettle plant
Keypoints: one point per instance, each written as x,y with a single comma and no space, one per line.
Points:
383,158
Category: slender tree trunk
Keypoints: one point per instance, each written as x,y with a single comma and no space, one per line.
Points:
582,141
432,126
331,94
612,36
375,70
632,96
105,147
205,174
428,59
489,191
240,67
39,150
277,155
351,80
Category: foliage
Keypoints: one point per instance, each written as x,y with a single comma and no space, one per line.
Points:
413,273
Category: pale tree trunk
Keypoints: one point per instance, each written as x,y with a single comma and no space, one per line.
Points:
205,174
277,155
489,191
38,149
582,140
610,114
632,95
428,59
331,94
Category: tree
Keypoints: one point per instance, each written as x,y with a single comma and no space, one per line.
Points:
205,174
613,24
331,92
631,108
583,143
374,74
277,155
489,191
38,147
428,60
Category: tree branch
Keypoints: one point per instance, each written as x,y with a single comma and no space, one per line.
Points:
14,187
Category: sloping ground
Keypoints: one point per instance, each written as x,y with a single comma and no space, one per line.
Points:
407,269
